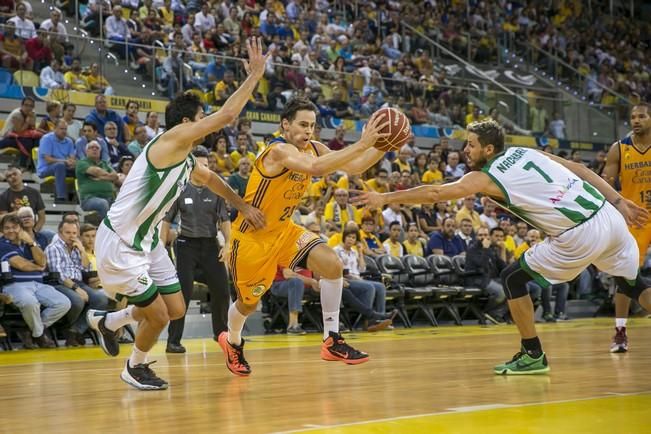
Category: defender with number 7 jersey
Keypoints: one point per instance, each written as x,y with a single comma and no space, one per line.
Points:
542,192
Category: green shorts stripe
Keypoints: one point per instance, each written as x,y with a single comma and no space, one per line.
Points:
539,278
170,289
148,294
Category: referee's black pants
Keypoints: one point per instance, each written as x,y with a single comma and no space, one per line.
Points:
192,255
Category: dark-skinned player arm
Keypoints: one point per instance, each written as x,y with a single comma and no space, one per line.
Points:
611,169
471,183
633,214
360,164
190,132
288,156
218,186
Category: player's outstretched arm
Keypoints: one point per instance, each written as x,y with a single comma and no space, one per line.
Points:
193,131
471,183
611,169
217,185
291,158
633,214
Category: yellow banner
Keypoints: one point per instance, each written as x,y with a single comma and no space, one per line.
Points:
112,101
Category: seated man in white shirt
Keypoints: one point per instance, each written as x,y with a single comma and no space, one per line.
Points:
52,77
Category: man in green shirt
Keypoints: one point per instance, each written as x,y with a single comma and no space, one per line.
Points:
239,179
96,181
139,140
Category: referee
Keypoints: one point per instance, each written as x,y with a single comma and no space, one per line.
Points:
201,212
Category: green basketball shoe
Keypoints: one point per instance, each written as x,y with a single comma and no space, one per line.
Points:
523,364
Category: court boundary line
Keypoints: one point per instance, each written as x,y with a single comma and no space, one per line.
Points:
460,410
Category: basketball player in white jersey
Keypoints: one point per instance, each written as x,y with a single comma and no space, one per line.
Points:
131,262
584,216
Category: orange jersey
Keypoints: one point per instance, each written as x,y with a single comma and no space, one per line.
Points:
276,196
635,173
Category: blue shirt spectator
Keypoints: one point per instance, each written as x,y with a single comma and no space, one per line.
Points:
56,157
101,115
446,242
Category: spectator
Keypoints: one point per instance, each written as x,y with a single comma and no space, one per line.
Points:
414,244
576,156
117,30
26,217
67,256
225,88
275,99
19,130
74,79
474,116
100,115
74,126
53,114
52,77
203,20
27,291
240,179
19,195
392,245
223,160
454,169
152,125
393,213
468,212
124,166
38,49
488,216
352,258
520,237
340,211
368,236
242,149
380,183
338,141
59,40
509,242
131,119
557,127
486,258
402,162
446,242
428,220
25,28
88,134
597,165
341,108
139,141
12,49
56,157
538,119
97,83
96,181
291,285
465,231
370,106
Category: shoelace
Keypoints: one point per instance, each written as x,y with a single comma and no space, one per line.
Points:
517,356
342,347
238,357
147,371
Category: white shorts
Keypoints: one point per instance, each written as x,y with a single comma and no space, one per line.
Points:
603,240
128,272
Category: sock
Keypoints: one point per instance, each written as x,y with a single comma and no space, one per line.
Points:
115,320
330,301
137,357
533,347
235,325
620,322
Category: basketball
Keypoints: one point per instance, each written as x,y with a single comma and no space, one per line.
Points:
399,129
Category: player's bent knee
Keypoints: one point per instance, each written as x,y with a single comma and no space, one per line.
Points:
632,289
514,281
246,309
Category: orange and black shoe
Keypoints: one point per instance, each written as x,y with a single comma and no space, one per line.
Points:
334,348
234,354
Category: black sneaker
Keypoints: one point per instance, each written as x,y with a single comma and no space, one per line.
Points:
108,339
335,348
142,377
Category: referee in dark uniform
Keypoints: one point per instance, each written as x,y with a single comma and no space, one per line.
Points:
201,212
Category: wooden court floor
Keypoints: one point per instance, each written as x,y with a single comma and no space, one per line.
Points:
425,380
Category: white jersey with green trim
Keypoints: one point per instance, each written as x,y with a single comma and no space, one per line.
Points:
541,191
145,196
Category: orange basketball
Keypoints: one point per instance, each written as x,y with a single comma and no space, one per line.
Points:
399,130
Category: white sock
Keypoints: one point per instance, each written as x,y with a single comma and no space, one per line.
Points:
330,301
620,322
115,320
235,325
137,357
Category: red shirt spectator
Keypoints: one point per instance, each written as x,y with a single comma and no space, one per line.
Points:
38,49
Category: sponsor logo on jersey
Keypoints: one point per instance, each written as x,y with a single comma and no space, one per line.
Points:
258,291
304,239
561,193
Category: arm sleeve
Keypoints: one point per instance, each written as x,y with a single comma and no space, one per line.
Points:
171,213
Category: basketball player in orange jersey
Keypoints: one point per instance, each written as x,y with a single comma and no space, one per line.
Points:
280,176
630,160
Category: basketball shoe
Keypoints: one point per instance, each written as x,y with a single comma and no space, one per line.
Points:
142,377
234,355
620,341
335,348
108,339
523,364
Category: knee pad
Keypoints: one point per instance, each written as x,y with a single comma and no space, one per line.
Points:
632,289
514,281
